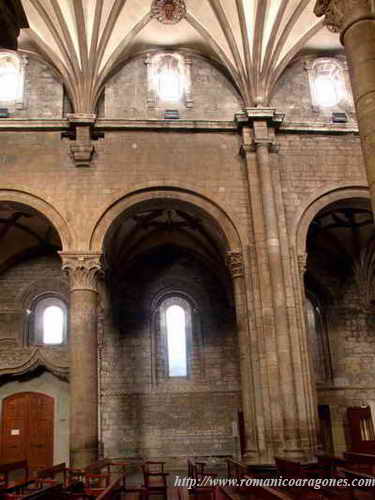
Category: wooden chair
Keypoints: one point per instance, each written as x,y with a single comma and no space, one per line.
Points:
113,491
96,484
155,479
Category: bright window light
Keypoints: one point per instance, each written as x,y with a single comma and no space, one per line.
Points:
9,80
169,85
53,325
326,91
176,334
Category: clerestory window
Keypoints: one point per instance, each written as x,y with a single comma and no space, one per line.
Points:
327,83
12,76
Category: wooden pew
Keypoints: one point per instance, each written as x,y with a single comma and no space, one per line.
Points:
236,470
7,469
369,490
54,492
252,493
294,470
360,462
328,465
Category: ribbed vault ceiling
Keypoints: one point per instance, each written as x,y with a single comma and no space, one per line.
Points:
254,40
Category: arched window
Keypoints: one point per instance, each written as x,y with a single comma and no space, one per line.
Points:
48,321
12,75
176,336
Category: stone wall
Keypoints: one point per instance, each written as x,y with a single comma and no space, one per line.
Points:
213,96
312,159
43,93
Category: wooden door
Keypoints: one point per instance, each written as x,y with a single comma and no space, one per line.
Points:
27,429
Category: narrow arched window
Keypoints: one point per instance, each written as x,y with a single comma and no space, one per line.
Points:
176,336
48,321
53,325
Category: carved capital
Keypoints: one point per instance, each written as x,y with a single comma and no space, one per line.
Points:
339,13
234,262
84,270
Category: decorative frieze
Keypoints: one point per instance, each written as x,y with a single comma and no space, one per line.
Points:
234,261
82,269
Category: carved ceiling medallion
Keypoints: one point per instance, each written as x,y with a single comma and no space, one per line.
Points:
168,11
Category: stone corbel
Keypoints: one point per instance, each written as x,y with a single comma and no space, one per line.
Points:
82,149
83,269
258,128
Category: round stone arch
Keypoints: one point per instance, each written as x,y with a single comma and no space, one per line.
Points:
317,203
216,213
45,207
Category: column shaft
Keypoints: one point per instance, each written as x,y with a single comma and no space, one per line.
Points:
83,378
285,362
269,411
359,43
83,270
235,264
